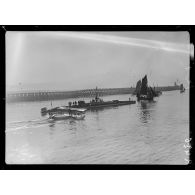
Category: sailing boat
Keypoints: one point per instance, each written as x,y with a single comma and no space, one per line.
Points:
182,89
145,93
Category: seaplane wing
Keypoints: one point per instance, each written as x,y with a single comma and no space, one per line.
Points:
78,109
62,108
71,109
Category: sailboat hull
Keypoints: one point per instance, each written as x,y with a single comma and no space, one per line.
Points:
145,98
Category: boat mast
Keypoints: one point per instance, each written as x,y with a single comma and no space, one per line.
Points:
96,95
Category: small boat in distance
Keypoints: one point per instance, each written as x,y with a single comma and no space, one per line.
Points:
182,89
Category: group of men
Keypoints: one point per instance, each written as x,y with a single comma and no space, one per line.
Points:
72,103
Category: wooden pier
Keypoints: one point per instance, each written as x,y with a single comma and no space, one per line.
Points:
23,96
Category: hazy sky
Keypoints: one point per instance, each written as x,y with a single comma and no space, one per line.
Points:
81,60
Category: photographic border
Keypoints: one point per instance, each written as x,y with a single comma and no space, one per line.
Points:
4,29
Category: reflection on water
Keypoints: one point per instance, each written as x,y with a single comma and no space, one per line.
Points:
72,126
141,133
147,109
51,126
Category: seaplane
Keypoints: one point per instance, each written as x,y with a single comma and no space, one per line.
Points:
63,112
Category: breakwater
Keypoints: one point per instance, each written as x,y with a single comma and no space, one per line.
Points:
22,96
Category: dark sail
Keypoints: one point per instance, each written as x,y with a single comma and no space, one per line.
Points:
144,86
138,87
181,87
96,95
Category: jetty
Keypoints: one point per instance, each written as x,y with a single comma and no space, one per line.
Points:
25,96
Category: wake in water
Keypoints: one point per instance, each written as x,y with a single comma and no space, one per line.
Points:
17,125
18,122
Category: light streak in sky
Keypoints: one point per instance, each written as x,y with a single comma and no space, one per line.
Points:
145,43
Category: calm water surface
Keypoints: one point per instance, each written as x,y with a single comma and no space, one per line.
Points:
141,133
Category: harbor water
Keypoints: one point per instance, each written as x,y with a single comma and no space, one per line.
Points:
141,133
